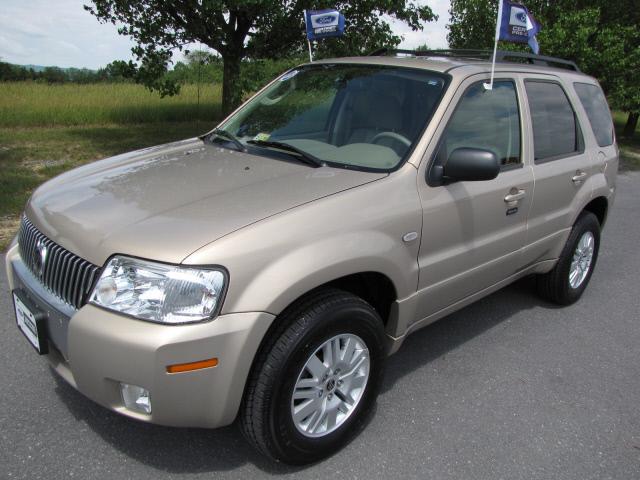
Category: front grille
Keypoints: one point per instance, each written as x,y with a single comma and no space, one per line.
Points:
64,274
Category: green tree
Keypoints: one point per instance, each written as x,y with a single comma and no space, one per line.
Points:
199,66
602,42
53,75
244,29
472,23
119,71
6,72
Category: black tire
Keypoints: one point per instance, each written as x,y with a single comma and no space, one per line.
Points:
554,286
265,415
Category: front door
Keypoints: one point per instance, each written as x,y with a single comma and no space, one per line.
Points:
473,232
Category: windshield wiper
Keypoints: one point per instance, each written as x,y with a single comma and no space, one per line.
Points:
298,153
227,135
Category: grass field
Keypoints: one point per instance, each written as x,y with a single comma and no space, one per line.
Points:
45,130
29,104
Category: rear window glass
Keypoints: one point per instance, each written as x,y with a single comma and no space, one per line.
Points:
555,129
595,104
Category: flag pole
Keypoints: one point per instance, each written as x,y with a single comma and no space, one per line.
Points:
489,86
304,12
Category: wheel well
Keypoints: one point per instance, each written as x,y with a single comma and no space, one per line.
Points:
598,206
373,287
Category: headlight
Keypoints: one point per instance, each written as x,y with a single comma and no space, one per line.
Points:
157,292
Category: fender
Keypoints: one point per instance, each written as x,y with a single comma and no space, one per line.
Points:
290,276
599,187
275,261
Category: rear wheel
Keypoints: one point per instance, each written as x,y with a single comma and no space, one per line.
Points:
568,280
315,378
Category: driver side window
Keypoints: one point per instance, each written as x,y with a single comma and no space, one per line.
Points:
487,120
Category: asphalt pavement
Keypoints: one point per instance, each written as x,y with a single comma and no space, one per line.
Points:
508,388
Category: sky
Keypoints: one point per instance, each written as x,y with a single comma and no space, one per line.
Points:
62,33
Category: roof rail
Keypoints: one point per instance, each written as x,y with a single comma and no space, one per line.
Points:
502,56
532,58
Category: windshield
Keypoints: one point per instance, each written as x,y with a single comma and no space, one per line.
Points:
356,116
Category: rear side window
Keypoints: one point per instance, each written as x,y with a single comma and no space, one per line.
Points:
595,104
488,120
555,128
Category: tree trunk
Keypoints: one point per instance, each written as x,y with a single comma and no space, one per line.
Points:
231,89
632,123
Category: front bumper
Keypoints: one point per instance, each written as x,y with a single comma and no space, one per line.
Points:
96,350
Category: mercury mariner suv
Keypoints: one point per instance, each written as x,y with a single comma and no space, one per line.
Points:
266,270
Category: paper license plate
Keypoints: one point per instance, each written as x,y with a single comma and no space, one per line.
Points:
31,323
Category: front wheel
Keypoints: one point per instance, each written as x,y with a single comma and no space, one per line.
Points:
567,281
315,378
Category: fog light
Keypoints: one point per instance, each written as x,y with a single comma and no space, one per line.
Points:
136,398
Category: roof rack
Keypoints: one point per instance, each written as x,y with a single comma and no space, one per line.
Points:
502,56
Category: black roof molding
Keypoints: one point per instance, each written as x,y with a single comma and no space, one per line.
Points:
502,56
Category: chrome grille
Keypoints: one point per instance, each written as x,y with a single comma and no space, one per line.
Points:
64,274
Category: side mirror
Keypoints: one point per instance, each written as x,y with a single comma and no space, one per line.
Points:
471,164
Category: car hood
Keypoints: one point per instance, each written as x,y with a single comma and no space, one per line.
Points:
165,202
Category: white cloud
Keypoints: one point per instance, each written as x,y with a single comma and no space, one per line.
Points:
16,49
434,34
62,33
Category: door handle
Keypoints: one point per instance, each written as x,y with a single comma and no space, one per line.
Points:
579,177
514,196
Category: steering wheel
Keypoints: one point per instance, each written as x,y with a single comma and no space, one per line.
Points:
393,136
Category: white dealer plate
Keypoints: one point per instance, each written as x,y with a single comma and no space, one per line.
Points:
28,323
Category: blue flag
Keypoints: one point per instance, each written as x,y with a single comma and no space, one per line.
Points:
323,23
518,25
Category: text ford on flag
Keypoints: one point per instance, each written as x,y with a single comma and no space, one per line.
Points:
324,23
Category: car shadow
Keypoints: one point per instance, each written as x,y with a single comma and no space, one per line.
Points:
443,336
174,450
188,450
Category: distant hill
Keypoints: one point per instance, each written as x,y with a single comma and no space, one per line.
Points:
40,68
16,73
35,68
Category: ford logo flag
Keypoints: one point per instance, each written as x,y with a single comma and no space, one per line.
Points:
518,25
324,23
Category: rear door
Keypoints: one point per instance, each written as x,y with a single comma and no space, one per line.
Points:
562,166
473,232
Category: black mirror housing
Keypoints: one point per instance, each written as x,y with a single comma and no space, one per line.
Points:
471,164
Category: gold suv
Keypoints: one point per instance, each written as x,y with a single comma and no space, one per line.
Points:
267,269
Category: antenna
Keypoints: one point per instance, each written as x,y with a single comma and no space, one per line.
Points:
200,61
